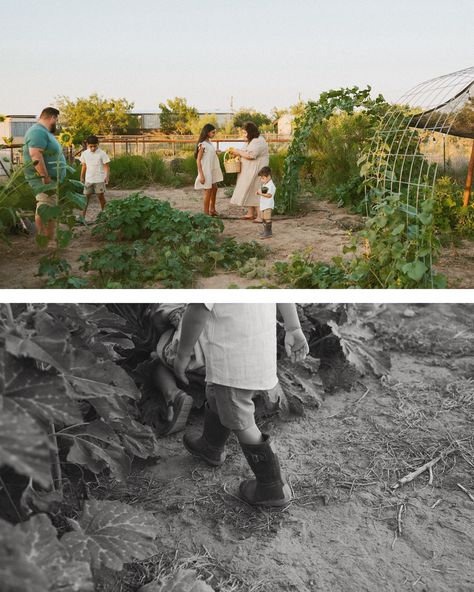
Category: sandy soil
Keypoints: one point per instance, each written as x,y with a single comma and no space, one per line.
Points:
340,533
325,228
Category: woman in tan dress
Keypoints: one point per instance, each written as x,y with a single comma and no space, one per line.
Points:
253,158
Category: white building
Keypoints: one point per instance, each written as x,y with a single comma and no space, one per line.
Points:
150,120
285,125
16,126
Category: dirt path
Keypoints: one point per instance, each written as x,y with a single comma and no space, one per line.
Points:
325,228
340,532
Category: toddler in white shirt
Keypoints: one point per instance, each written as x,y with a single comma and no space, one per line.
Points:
240,342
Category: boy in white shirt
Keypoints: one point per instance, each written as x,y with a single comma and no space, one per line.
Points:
241,358
267,200
95,171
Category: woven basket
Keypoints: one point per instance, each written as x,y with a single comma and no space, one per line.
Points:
231,166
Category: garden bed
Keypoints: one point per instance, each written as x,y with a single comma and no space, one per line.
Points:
324,228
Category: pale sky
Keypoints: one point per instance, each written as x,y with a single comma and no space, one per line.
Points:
263,53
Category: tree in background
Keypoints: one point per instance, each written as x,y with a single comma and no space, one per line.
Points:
177,116
244,115
196,125
95,115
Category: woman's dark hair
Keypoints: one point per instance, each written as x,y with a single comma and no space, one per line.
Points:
252,130
203,136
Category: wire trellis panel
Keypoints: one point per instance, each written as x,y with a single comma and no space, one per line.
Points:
443,105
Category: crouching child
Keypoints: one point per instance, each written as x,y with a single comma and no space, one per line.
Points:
241,358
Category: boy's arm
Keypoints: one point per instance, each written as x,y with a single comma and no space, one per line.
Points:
107,172
194,321
295,341
83,172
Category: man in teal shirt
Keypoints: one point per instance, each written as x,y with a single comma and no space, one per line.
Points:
45,164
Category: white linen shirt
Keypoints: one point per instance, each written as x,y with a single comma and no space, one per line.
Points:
94,161
268,203
241,347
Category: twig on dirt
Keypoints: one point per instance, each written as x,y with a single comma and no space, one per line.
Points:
437,502
430,482
398,532
401,509
360,398
427,466
469,495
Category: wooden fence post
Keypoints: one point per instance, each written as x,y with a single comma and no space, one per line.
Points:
467,188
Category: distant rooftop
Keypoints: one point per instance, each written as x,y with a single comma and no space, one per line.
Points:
22,116
156,111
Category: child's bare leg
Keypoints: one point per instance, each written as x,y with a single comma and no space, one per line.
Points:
207,200
165,381
251,435
87,204
212,202
101,198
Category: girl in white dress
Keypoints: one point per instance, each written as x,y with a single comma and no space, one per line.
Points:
209,169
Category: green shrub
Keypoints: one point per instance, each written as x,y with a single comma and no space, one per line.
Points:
449,213
129,172
277,162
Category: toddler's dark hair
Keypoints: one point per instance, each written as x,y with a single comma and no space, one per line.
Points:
92,140
265,171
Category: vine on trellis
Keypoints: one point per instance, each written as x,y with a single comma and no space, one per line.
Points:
344,99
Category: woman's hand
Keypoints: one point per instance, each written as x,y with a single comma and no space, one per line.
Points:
202,179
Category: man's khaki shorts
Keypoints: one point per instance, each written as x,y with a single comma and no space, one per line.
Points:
44,198
94,188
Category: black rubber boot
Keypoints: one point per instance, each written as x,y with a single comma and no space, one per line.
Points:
210,446
269,488
267,230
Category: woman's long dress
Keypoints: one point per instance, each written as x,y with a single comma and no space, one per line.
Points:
248,182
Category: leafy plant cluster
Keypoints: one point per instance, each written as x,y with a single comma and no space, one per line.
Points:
449,212
66,405
396,249
149,240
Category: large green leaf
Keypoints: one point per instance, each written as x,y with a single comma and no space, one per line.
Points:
44,395
23,444
17,573
84,375
111,533
358,345
138,439
97,447
32,559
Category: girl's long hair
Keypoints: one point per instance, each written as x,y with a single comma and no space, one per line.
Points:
203,136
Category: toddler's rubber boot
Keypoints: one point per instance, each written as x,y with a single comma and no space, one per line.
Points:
267,230
269,488
210,446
